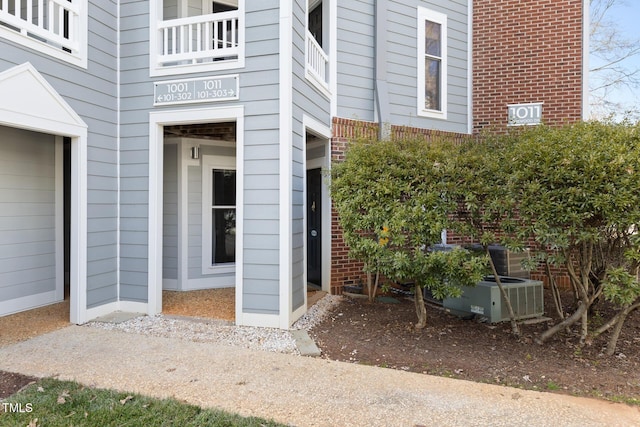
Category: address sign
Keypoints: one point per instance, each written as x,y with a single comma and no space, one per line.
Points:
202,89
525,114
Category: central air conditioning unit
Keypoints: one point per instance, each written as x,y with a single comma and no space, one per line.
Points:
508,263
485,299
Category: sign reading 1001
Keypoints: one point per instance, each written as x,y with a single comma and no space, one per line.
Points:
203,89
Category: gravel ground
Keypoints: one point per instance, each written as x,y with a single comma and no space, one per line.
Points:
223,332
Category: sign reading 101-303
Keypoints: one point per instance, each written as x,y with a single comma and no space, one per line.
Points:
525,114
202,89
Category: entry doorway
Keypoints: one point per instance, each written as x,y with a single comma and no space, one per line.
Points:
314,226
199,206
317,206
35,169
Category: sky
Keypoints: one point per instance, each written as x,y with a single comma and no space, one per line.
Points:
626,13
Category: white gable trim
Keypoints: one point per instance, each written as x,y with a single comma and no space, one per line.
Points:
29,102
27,97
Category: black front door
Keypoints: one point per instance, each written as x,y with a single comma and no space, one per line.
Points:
314,226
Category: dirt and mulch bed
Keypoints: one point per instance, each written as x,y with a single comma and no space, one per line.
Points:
382,334
11,383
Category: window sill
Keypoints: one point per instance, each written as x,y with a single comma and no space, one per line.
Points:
433,114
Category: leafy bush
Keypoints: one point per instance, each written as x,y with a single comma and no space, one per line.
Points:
576,190
391,199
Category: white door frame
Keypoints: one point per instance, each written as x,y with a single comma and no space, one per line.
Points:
52,115
313,126
157,121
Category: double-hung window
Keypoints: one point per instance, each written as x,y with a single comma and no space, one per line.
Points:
219,214
432,64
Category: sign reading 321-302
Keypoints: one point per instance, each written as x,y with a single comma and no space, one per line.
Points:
202,89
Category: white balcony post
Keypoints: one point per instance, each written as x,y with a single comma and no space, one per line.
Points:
40,11
30,11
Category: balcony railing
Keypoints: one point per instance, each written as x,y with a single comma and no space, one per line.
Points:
198,39
54,22
317,61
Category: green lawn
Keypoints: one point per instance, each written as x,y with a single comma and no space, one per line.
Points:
51,403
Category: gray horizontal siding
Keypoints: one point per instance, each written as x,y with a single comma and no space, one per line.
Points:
27,214
402,64
92,94
307,101
258,93
136,91
356,60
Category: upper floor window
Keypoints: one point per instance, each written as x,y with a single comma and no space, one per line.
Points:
432,64
55,27
193,36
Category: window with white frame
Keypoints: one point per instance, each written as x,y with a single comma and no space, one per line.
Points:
57,28
218,214
432,64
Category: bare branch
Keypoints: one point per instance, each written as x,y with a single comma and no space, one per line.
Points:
610,52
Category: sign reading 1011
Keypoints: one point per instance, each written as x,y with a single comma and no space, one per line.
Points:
525,114
202,89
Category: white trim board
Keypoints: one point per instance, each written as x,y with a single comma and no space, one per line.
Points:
425,14
312,125
29,302
286,167
210,162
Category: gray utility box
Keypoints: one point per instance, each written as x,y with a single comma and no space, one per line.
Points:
485,299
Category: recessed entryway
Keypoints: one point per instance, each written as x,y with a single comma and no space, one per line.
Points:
318,207
35,183
32,252
199,219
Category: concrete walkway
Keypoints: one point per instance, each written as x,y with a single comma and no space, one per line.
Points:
291,389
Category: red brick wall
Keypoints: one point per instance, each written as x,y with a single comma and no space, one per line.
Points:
345,271
524,52
402,132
